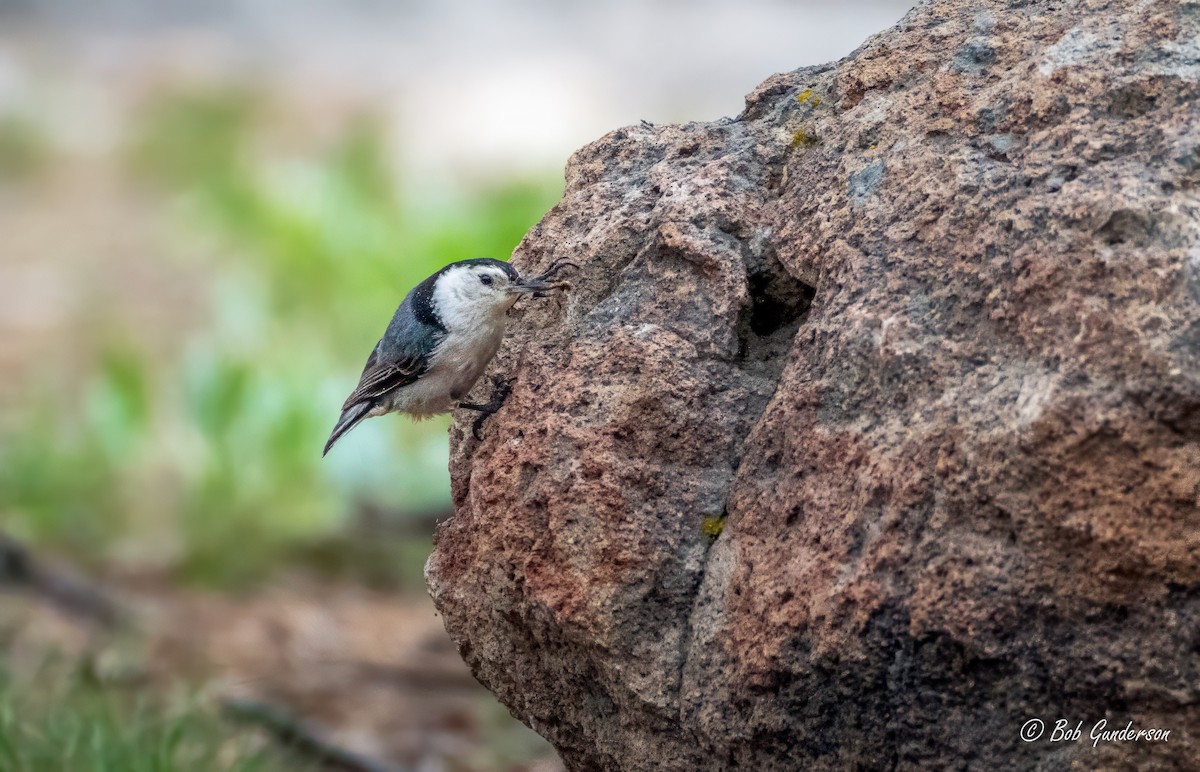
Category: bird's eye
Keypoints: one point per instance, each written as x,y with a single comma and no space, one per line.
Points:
487,280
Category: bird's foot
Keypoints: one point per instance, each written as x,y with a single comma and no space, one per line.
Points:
501,388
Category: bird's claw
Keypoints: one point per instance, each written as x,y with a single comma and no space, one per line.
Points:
501,388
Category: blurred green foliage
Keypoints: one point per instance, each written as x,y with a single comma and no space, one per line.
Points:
209,463
23,148
68,724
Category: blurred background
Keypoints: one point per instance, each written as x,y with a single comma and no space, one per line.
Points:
209,210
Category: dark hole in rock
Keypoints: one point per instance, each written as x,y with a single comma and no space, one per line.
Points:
1132,101
778,306
1125,225
777,300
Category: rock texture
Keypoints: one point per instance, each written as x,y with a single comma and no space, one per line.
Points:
872,427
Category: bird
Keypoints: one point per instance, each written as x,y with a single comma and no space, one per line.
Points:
439,342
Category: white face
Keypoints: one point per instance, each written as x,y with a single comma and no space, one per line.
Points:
466,294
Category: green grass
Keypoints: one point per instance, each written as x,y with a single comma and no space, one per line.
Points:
207,462
80,726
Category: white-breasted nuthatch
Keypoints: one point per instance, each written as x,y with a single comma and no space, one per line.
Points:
440,341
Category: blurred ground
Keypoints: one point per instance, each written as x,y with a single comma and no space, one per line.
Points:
372,671
209,210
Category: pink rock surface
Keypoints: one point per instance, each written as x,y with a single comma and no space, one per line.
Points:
871,429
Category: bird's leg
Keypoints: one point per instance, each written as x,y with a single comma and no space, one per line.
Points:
501,388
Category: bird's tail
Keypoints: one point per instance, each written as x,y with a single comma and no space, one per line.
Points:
351,417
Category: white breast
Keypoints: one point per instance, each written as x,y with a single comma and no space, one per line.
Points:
454,366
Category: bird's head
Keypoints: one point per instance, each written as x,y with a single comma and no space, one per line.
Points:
468,291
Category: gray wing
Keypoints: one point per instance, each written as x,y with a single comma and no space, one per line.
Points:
402,355
400,358
379,378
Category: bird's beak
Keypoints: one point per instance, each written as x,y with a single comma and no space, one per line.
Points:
545,281
525,286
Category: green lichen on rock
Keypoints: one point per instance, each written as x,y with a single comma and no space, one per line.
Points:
804,138
807,97
712,527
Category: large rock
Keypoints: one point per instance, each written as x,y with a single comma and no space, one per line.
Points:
871,430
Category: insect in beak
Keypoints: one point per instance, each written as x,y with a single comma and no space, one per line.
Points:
545,281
